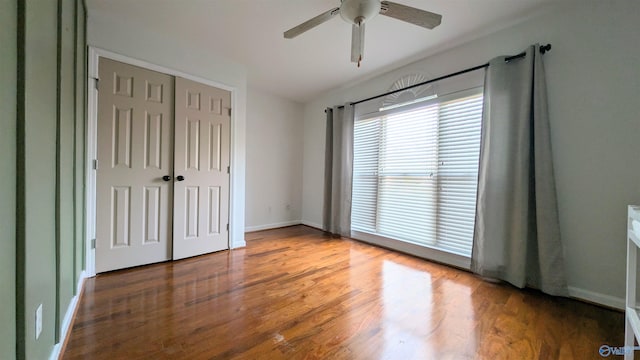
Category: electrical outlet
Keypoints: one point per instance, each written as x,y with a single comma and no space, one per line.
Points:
38,321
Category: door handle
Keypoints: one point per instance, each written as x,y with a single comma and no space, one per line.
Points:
166,178
180,178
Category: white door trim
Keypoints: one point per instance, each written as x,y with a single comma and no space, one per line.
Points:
236,239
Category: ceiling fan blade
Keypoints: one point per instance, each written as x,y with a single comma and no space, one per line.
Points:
411,15
357,43
311,23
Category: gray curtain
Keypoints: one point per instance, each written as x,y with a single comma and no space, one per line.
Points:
517,236
338,170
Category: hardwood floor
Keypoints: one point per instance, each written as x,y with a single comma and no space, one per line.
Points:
294,293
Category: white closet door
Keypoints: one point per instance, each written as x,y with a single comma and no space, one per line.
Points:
135,152
201,192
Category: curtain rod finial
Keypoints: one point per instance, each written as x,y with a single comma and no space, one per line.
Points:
545,48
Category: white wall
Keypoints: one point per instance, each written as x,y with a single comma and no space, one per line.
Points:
593,77
274,161
109,32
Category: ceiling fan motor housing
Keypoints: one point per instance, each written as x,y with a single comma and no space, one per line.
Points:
359,11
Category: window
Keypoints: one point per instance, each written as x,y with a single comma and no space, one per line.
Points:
415,172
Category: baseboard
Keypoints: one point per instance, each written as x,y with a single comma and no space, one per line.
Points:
239,244
311,224
597,298
272,226
420,251
68,319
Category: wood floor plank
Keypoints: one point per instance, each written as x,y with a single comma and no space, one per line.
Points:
294,293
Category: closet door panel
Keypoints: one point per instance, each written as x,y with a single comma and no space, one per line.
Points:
135,152
201,193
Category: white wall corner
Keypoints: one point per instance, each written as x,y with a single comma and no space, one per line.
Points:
312,224
597,298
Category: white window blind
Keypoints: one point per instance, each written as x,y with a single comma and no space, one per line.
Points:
415,173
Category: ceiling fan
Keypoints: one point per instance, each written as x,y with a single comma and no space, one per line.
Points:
357,12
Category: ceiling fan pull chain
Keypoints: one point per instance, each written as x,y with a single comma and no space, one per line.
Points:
361,40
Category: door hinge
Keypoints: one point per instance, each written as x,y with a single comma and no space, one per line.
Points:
93,243
229,111
95,164
97,83
228,169
227,227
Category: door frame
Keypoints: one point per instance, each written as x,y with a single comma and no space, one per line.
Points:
236,237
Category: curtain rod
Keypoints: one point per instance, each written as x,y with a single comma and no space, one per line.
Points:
543,49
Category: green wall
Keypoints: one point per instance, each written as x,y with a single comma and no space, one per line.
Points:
8,59
80,114
66,158
50,146
37,218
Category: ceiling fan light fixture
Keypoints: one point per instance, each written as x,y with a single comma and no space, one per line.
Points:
359,11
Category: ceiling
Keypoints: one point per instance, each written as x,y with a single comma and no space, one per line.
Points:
250,32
